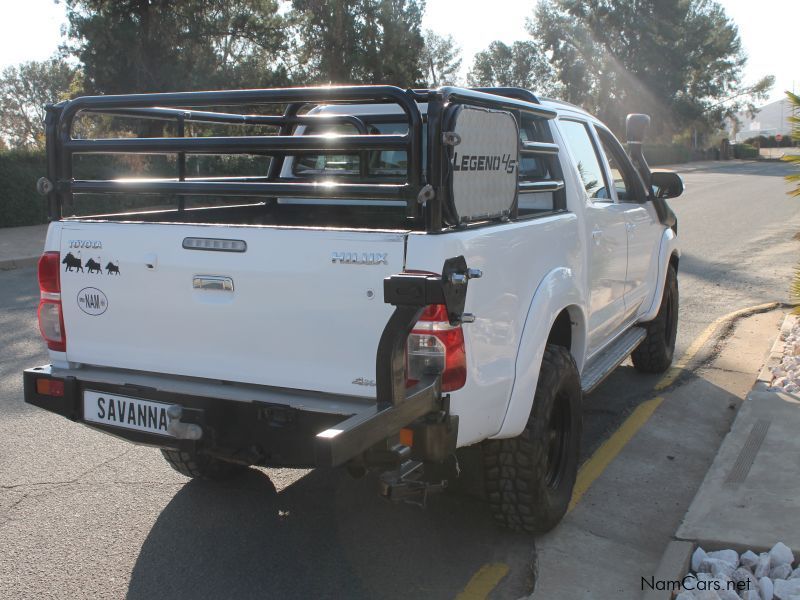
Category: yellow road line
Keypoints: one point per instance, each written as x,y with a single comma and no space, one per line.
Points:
484,581
602,457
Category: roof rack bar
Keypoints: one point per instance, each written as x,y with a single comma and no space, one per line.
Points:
318,144
532,187
196,116
510,92
312,95
225,188
496,101
539,148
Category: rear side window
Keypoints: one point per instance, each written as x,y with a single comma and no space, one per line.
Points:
384,163
586,160
534,168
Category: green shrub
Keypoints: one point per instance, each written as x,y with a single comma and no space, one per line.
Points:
20,204
666,154
745,151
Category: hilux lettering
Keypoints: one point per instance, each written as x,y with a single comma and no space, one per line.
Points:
360,258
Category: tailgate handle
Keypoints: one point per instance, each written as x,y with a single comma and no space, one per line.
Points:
213,282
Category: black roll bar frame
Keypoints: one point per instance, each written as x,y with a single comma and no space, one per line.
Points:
420,190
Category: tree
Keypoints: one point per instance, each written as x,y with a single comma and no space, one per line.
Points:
158,45
523,64
359,41
440,60
25,90
680,60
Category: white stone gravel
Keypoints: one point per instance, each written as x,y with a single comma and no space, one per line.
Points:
786,375
768,576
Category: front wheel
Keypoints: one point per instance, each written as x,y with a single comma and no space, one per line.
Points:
654,354
529,479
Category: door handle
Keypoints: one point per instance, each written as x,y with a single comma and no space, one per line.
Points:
597,234
212,282
630,226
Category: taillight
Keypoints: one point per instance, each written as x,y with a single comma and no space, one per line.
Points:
434,346
51,317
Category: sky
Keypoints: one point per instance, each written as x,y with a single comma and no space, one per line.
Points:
31,30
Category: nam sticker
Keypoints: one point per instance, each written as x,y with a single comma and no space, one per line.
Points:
92,301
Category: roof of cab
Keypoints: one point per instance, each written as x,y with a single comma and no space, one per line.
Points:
368,109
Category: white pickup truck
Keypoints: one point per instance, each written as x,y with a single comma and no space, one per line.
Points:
411,272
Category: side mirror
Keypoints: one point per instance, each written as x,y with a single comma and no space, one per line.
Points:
666,184
636,127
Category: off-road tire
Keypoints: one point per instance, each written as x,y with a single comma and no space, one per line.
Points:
529,479
654,354
201,466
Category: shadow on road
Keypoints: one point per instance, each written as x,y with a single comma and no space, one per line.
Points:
325,536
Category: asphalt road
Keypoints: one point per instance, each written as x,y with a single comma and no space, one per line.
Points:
85,515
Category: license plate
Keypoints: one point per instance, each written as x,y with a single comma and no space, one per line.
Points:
125,412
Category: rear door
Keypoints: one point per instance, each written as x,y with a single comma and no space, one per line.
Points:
607,246
288,307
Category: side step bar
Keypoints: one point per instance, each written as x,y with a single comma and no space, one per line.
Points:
610,358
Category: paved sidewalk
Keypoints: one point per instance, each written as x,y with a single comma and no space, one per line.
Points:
749,499
21,246
618,532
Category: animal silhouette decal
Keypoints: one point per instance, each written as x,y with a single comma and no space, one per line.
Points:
94,266
72,262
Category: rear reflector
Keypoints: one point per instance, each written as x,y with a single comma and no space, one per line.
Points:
50,387
407,437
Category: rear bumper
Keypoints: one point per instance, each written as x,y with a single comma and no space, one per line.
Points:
274,427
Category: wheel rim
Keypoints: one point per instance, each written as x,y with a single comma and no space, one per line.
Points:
558,432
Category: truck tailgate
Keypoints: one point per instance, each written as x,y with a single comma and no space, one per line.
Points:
299,308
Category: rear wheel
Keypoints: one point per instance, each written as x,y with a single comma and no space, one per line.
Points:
201,466
529,479
654,354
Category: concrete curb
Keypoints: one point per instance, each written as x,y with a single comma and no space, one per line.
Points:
18,263
674,564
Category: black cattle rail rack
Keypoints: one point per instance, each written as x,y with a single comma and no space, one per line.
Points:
419,188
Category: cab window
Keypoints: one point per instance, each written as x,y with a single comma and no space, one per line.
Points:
622,172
